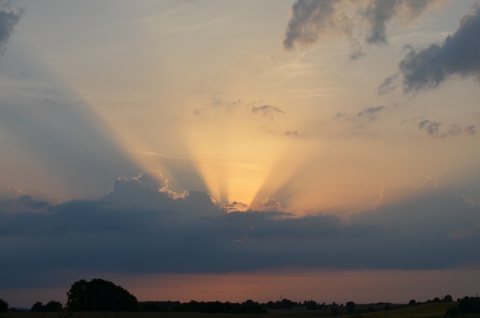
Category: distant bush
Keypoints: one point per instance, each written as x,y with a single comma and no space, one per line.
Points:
350,307
248,306
283,304
158,306
310,304
51,306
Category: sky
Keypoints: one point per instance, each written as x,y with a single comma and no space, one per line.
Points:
233,150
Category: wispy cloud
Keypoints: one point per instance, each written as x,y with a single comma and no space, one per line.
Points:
267,111
370,113
388,85
434,129
431,127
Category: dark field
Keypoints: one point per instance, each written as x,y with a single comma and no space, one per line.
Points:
419,311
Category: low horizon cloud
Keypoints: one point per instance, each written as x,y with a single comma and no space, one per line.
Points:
143,227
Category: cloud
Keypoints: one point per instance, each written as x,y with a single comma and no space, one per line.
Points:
470,130
150,191
234,206
430,127
370,113
458,55
267,111
269,204
433,128
190,234
24,203
293,133
9,17
378,13
388,85
311,19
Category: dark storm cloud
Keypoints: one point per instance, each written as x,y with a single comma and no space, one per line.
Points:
458,55
313,18
142,228
9,17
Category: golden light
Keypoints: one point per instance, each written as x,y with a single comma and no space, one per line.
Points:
233,156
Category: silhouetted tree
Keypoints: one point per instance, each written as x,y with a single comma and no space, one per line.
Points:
99,295
284,304
3,305
248,306
37,307
251,306
469,305
310,304
53,306
412,302
334,309
447,299
350,305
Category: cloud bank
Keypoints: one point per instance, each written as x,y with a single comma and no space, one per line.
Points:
142,227
458,55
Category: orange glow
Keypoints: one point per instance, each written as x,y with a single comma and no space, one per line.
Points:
233,157
322,285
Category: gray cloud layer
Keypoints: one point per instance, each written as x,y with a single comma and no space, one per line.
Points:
141,227
458,55
313,18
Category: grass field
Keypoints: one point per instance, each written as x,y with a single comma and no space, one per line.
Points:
431,310
417,311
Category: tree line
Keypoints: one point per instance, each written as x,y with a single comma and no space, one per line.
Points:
100,295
